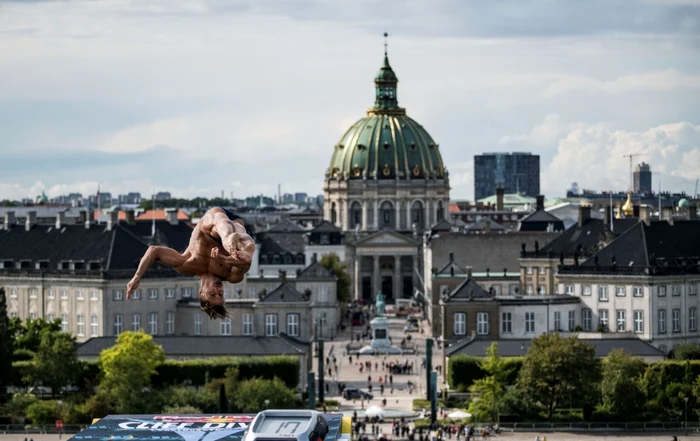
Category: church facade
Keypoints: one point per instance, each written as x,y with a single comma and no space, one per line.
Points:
385,185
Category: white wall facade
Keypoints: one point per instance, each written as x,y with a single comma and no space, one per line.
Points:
545,318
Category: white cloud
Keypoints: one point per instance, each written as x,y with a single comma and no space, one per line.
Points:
462,179
653,81
546,134
593,156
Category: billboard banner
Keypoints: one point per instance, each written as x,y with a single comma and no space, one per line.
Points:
182,428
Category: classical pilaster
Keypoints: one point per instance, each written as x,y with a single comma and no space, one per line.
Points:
376,215
376,284
397,277
364,215
397,211
428,216
346,215
356,282
409,218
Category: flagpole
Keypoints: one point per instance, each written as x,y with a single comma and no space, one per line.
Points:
612,212
660,216
153,214
99,207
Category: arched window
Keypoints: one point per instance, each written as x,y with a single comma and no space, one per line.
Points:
388,216
417,216
334,214
440,214
355,214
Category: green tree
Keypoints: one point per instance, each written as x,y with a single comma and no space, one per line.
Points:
686,351
557,369
621,385
56,362
28,335
17,406
44,412
332,262
492,387
127,368
7,344
251,395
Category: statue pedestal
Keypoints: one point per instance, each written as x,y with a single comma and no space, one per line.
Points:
380,333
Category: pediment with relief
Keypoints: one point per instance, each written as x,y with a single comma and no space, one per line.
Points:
386,238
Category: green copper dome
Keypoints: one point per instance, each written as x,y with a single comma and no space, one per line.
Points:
386,144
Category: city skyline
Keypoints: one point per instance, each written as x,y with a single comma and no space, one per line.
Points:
201,96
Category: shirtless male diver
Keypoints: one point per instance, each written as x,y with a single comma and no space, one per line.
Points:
219,249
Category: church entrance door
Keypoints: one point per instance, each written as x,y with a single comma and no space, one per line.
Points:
388,289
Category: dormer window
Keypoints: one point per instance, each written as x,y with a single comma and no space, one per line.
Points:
325,239
95,266
25,264
42,265
7,264
79,265
63,265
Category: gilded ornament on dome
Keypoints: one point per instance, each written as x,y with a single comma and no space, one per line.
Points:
386,171
335,173
357,171
416,170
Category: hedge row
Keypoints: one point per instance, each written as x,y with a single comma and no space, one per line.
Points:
463,370
194,372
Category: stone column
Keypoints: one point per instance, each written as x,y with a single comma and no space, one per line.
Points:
415,267
429,218
346,217
397,277
356,282
376,214
364,215
397,211
409,218
376,280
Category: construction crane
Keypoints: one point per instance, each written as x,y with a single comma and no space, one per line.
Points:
632,156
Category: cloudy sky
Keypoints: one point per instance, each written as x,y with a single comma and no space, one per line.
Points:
200,96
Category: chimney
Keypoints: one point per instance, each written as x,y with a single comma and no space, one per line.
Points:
487,226
452,270
635,211
130,217
283,276
31,220
90,218
540,203
298,271
667,213
112,219
314,256
60,219
9,219
469,271
171,215
262,272
452,257
693,210
500,191
82,216
607,216
644,213
584,213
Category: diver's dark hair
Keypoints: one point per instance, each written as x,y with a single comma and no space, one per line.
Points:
213,311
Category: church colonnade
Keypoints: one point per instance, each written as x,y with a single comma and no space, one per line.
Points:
394,214
390,272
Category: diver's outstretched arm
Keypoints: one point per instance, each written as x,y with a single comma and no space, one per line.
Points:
166,256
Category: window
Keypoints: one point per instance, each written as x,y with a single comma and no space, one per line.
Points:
676,320
81,325
186,293
64,322
14,315
323,294
93,326
152,293
198,324
692,289
323,318
80,295
639,321
572,321
94,295
620,291
529,290
663,348
51,294
32,315
252,292
50,317
693,319
586,318
13,293
662,291
542,270
118,324
117,295
170,323
586,290
529,322
460,323
637,291
557,320
528,270
603,293
569,289
247,324
270,325
621,315
225,326
661,319
293,325
169,293
153,323
603,318
33,293
482,323
135,322
64,293
676,290
136,295
506,322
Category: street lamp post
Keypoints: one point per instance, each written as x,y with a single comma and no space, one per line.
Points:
686,415
267,404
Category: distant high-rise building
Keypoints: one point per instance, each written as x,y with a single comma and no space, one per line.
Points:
130,198
163,195
300,198
642,178
515,172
